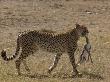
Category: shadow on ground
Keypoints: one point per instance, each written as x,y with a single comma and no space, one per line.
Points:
63,76
92,76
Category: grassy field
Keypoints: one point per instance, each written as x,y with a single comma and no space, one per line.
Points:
60,16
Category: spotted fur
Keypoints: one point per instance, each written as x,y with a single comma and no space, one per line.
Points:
31,41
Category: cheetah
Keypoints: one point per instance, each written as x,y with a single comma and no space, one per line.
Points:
32,41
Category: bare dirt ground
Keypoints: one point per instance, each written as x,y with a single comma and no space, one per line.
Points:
60,16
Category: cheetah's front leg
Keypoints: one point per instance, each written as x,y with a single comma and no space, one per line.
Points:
72,60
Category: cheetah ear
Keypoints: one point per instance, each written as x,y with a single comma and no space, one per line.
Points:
77,25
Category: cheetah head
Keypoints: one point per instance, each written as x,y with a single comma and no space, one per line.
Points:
82,30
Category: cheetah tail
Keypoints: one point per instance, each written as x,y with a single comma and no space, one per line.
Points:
4,55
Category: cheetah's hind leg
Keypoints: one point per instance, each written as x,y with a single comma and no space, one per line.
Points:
56,59
18,63
26,66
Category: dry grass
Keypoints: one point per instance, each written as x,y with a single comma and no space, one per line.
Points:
57,15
